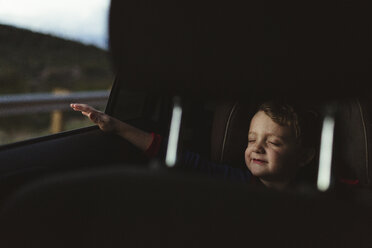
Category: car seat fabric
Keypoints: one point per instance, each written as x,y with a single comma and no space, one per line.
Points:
352,142
229,137
366,111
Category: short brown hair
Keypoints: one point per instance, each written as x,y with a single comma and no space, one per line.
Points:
305,122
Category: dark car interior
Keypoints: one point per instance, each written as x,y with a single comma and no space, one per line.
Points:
87,188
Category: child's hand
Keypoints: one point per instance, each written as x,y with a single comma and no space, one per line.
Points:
105,122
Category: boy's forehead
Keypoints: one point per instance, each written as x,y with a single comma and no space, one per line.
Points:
262,123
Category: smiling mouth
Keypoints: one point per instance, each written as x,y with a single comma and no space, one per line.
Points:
259,161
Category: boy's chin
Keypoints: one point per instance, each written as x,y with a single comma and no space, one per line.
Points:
258,170
263,172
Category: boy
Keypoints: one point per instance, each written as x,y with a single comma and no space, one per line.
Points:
280,142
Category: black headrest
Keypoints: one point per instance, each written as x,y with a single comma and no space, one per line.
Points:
131,207
352,157
229,137
224,48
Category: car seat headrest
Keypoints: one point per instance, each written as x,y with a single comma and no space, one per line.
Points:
229,137
352,141
200,47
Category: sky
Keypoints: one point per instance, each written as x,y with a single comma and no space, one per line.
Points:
81,20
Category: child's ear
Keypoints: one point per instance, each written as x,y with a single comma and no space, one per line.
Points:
307,156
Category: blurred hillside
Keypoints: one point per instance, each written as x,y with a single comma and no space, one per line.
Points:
34,62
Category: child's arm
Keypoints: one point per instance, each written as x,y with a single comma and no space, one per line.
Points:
106,123
150,143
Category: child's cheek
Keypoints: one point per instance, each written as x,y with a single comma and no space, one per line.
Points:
282,156
247,155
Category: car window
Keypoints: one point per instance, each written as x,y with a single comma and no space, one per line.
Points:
52,53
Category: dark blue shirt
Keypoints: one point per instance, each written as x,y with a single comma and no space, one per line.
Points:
193,161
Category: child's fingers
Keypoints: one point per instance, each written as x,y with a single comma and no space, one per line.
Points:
94,115
75,106
79,107
82,107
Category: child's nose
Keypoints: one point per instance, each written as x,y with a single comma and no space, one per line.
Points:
258,148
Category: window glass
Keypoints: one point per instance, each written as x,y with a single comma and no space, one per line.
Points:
52,53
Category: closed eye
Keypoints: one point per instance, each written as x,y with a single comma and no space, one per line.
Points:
275,143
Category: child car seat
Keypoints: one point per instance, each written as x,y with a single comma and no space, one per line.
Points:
229,136
352,152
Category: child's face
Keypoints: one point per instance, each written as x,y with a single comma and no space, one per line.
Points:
273,151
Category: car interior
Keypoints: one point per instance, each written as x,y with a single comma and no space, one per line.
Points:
87,188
